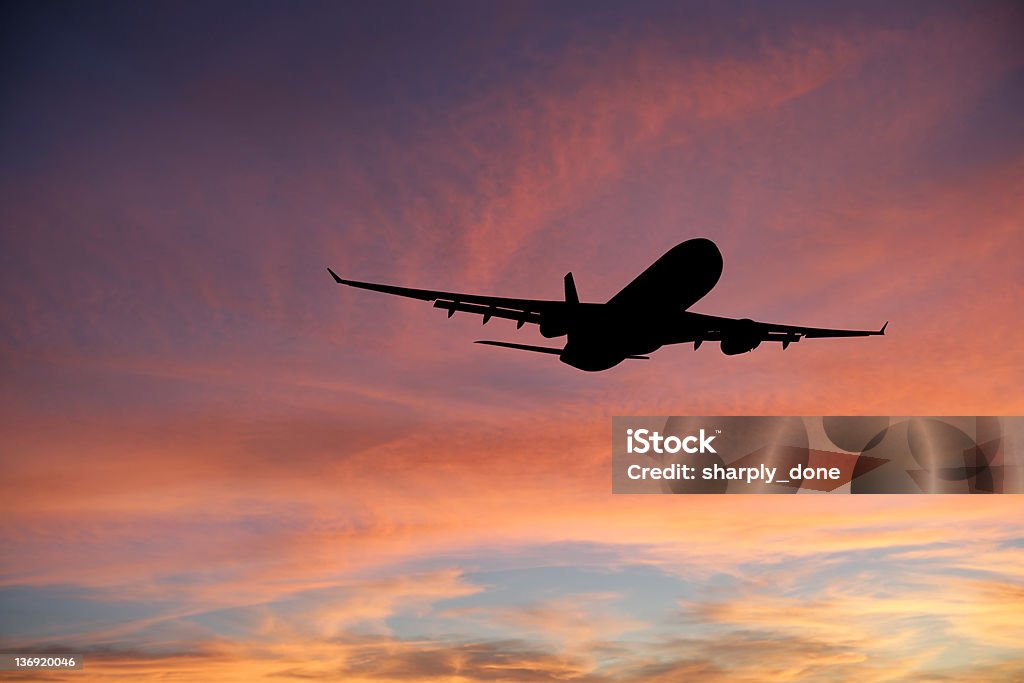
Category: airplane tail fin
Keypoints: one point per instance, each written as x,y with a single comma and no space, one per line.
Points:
571,297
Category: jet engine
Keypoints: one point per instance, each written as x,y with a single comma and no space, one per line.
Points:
742,338
553,325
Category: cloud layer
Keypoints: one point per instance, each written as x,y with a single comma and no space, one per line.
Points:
216,463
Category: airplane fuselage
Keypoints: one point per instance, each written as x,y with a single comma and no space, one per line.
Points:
647,314
600,337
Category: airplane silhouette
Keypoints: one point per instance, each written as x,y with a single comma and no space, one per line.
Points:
649,312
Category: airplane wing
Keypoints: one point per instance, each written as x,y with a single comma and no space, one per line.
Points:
820,332
521,310
715,328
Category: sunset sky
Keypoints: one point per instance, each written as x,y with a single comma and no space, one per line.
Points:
216,462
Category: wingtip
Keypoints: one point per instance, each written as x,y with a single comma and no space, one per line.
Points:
882,331
335,276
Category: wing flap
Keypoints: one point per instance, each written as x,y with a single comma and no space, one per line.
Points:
488,312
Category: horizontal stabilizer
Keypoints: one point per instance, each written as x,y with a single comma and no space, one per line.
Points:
539,349
523,347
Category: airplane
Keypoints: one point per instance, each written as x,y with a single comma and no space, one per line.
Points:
650,312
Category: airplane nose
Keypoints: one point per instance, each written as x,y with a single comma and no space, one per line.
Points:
703,247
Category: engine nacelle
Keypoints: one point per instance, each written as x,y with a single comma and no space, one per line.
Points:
743,338
553,325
